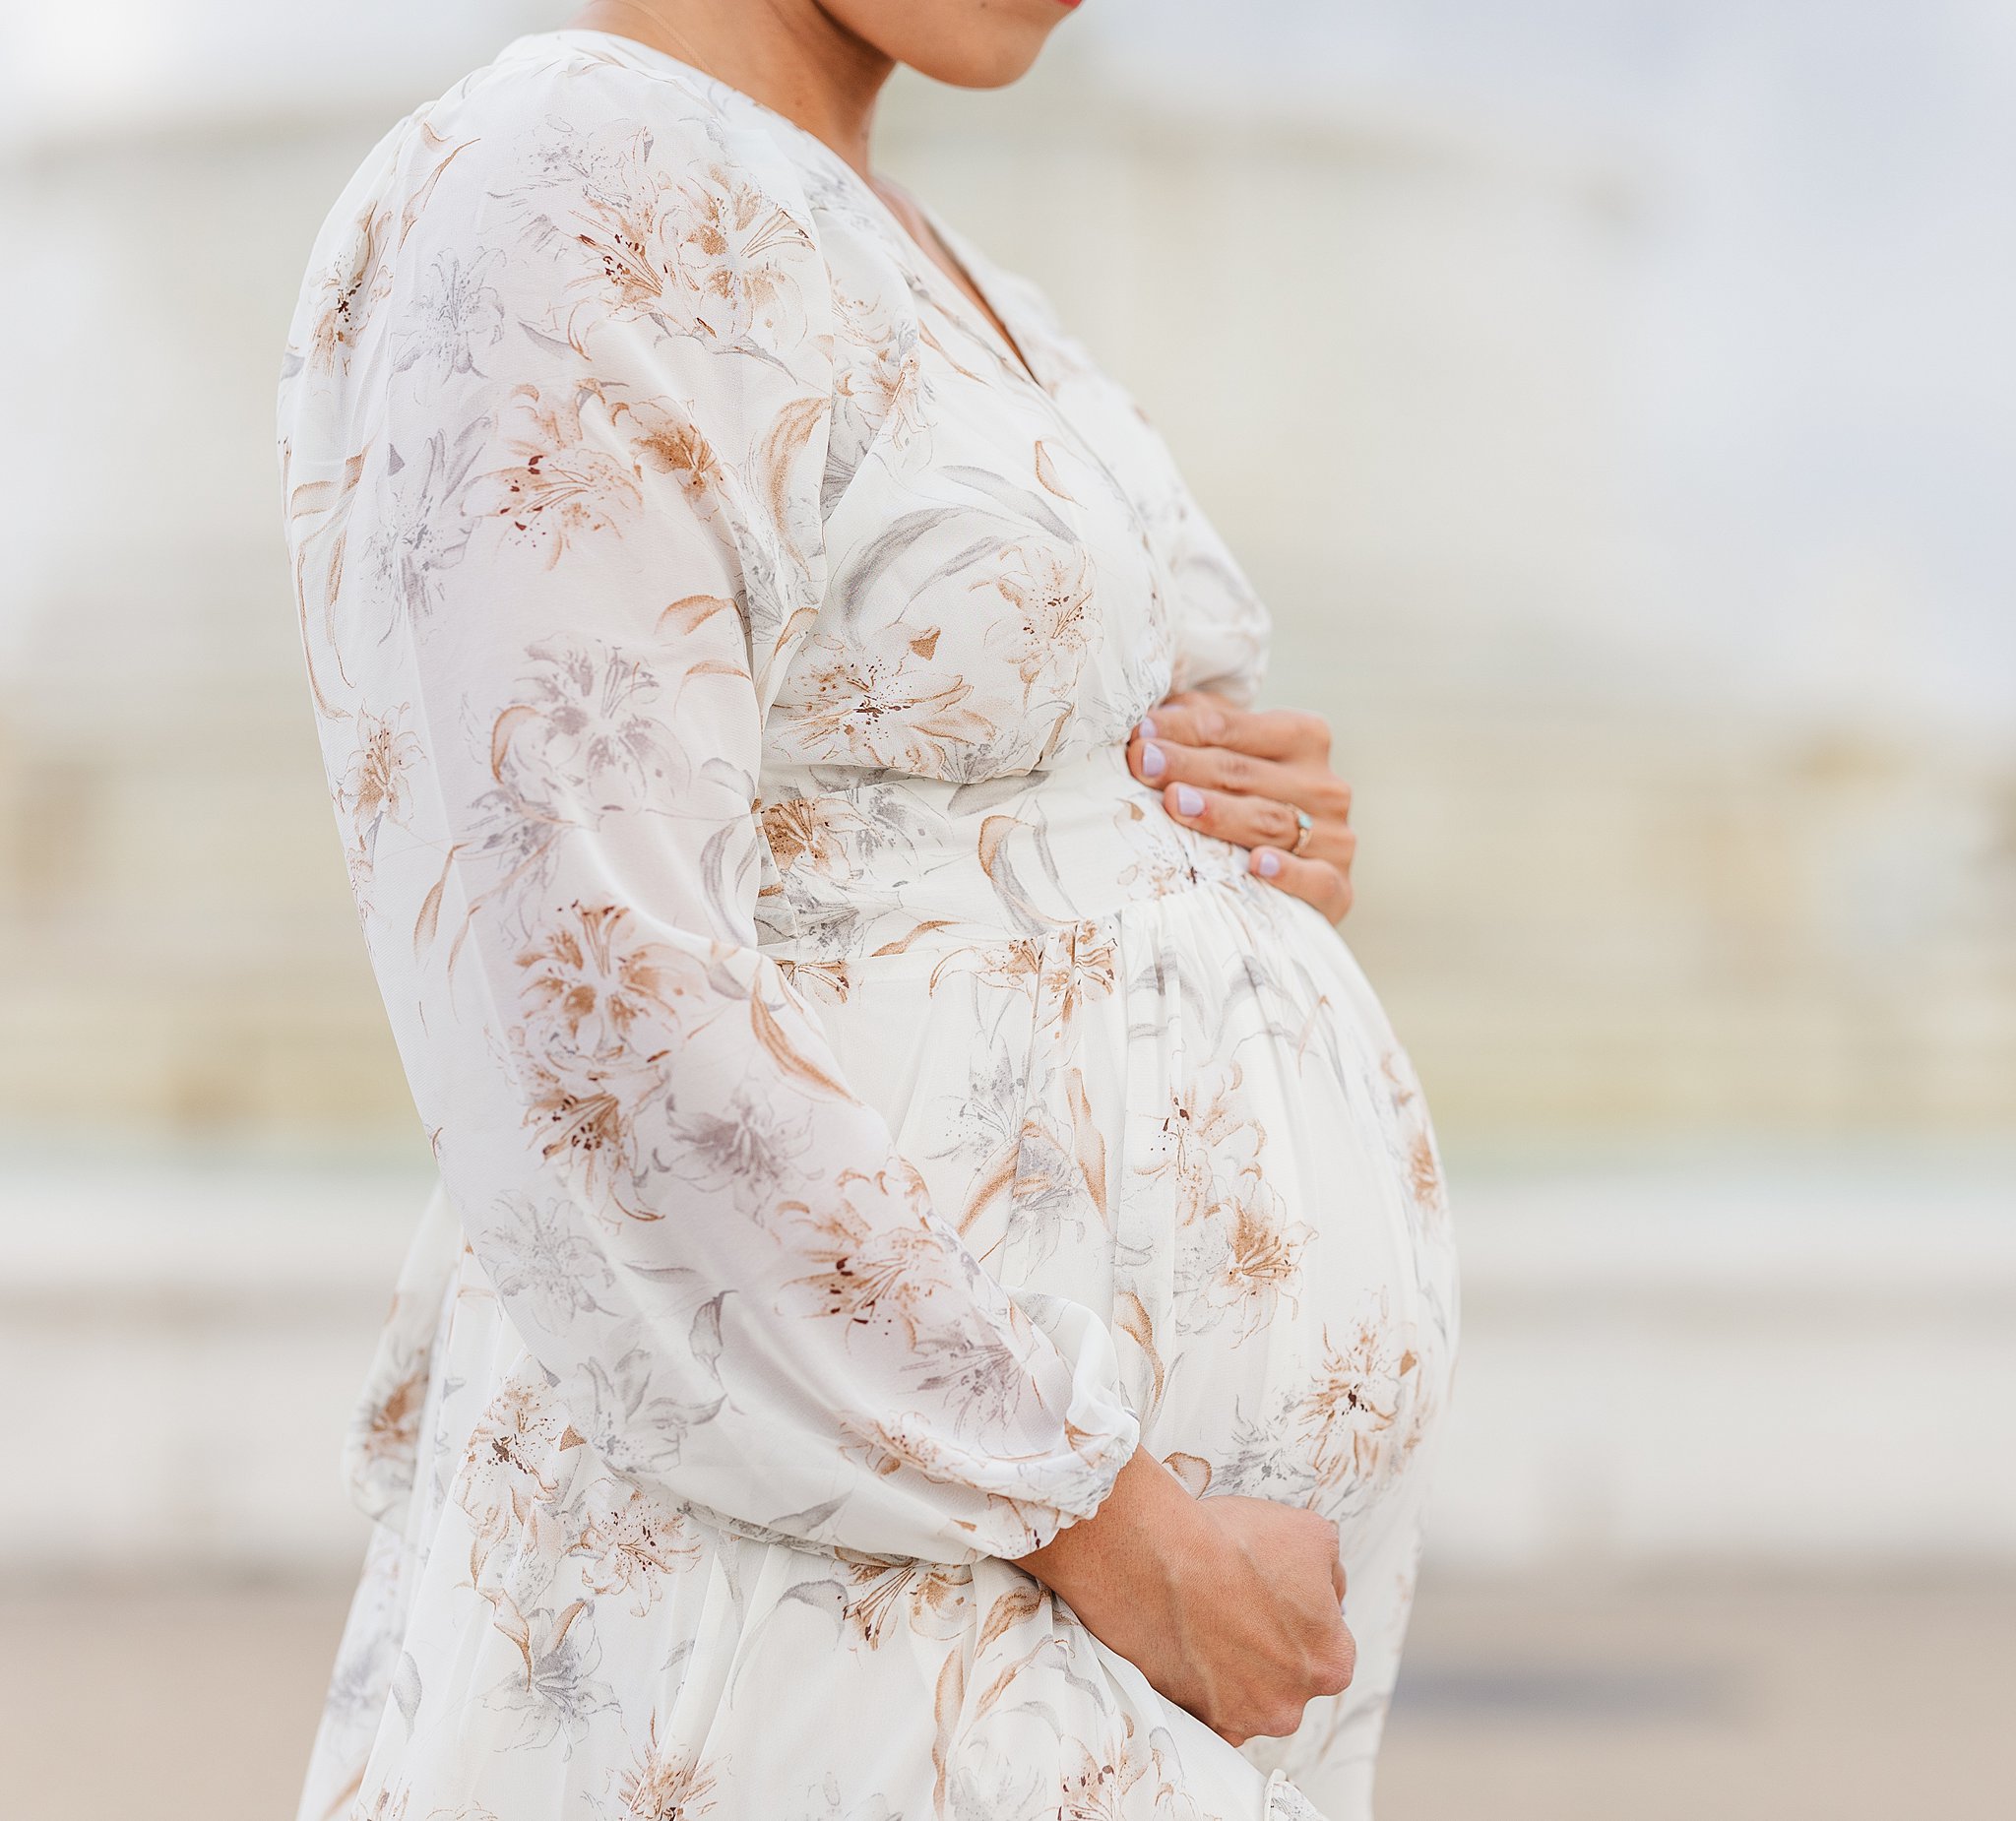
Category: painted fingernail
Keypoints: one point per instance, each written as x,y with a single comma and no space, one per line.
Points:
1269,863
1190,799
1154,762
1147,727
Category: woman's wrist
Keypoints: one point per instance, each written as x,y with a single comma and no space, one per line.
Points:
1134,1547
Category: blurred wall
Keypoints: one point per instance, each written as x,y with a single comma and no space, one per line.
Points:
1506,352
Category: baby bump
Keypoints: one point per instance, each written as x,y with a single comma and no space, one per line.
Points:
1191,1116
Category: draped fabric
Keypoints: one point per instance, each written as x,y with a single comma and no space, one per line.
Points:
862,1114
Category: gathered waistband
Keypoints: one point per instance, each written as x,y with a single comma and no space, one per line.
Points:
879,863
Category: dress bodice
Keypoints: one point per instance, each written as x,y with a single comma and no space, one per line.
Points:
1015,571
997,587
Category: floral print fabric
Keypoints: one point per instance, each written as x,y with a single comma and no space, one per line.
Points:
862,1114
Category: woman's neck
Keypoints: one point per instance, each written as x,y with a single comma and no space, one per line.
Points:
791,55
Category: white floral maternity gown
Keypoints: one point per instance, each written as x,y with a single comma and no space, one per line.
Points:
862,1113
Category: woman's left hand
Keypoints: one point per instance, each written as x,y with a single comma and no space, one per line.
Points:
1240,774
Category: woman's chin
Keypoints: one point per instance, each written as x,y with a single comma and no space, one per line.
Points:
967,44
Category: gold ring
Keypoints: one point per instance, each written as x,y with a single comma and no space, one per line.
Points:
1304,822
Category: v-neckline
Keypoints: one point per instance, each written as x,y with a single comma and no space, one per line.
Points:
990,323
990,320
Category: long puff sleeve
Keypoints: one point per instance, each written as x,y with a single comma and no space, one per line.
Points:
553,426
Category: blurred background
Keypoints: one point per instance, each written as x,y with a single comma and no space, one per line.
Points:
1616,400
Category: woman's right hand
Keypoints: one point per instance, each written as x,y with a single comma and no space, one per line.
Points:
1231,1607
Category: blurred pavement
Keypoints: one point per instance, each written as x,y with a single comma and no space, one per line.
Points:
1522,1701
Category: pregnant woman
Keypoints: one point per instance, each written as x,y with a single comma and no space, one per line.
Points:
940,1269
